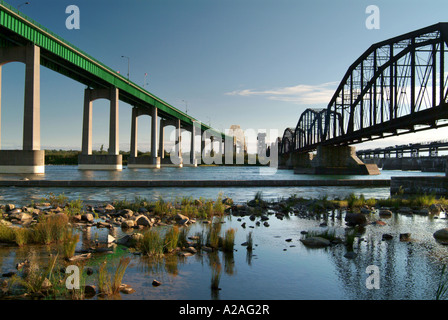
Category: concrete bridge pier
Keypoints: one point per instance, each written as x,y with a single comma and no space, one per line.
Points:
215,156
112,160
135,161
302,162
195,131
30,159
340,160
174,159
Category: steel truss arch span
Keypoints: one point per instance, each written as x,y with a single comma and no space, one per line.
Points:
396,86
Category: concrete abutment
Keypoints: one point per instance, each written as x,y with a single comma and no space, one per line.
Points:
329,160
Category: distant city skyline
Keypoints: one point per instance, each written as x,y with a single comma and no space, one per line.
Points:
257,64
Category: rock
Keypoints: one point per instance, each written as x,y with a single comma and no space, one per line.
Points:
89,271
264,218
207,249
387,236
102,224
266,224
385,213
130,240
156,283
405,236
89,291
350,255
185,254
87,217
109,207
5,223
8,274
303,232
179,217
288,240
127,213
46,284
80,257
354,219
15,211
9,207
441,235
183,222
127,290
143,221
191,250
316,242
110,238
379,223
243,225
323,224
127,224
77,218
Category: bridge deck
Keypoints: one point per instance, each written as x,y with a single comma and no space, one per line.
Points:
63,57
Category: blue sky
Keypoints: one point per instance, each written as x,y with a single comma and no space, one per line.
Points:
256,63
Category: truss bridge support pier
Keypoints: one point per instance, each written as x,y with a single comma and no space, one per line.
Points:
334,160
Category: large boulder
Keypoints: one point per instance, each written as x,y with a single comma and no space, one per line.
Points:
21,216
143,221
87,217
127,224
354,219
130,240
316,242
180,217
441,235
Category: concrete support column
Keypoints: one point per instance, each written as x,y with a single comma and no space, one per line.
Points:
154,138
113,125
87,124
193,145
31,159
161,139
134,132
203,152
212,149
178,143
31,119
113,160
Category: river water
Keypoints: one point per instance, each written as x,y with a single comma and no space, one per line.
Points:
24,195
276,269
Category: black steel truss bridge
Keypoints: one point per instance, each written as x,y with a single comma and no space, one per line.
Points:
397,86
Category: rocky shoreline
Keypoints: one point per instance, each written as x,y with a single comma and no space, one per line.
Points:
137,218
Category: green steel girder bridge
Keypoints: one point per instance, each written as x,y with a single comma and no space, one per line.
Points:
23,40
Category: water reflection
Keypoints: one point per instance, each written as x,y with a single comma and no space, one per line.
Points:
404,270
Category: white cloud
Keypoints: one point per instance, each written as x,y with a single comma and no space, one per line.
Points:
299,94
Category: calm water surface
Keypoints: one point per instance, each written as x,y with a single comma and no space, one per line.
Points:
24,195
277,269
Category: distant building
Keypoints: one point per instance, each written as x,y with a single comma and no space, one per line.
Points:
238,138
